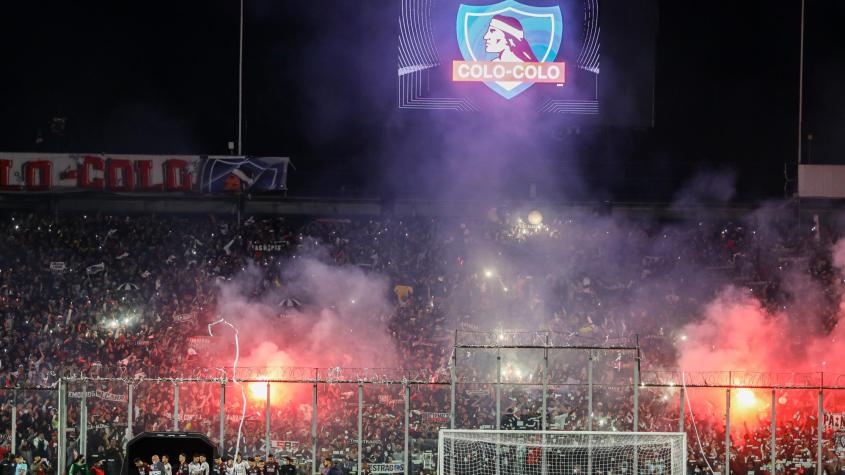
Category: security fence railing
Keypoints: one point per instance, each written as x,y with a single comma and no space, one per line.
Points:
388,419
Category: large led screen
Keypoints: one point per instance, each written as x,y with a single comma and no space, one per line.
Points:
479,55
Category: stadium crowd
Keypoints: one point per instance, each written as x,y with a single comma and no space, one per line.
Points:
92,294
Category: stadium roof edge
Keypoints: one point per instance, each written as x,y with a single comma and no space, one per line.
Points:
351,207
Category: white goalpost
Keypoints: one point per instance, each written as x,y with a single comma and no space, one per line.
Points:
515,452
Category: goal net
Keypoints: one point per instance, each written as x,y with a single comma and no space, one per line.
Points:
509,452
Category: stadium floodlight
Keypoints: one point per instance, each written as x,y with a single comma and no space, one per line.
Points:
500,452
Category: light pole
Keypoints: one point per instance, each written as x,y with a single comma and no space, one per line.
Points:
240,80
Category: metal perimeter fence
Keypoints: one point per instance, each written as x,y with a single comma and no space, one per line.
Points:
387,420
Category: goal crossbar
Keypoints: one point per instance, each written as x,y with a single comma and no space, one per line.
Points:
510,452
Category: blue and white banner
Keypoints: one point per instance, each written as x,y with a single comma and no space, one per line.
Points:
226,174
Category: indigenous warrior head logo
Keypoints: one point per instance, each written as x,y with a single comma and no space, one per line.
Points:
495,39
506,37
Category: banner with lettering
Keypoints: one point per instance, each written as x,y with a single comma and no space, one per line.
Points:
269,247
286,445
834,420
105,395
439,417
54,172
58,267
387,468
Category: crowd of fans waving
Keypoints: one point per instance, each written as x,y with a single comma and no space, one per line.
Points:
83,294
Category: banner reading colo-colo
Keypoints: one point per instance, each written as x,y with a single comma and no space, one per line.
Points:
28,172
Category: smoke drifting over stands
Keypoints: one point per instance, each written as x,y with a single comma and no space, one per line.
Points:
136,292
133,296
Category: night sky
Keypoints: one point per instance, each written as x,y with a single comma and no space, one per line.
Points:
161,77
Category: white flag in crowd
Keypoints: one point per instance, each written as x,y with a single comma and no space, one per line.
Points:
228,247
95,269
108,235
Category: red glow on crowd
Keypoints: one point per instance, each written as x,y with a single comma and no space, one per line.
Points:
279,393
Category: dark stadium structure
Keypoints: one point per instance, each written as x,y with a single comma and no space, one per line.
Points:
147,444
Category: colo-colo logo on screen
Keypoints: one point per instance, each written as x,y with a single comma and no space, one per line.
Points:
509,46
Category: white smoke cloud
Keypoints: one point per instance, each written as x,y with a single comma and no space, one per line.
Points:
341,322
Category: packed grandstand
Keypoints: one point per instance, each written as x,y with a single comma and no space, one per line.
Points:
133,295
